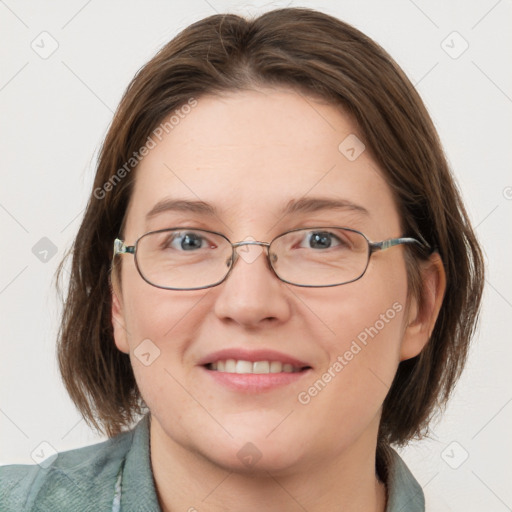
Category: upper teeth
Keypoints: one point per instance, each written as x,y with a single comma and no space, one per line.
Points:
241,366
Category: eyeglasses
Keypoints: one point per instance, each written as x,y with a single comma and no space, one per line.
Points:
192,259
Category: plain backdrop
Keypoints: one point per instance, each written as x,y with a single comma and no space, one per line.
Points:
64,67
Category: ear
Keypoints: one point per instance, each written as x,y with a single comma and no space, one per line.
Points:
423,311
118,320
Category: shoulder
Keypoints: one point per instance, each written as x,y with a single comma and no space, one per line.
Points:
74,477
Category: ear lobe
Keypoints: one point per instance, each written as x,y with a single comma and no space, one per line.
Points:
118,320
423,311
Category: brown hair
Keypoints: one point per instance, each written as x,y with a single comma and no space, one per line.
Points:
319,56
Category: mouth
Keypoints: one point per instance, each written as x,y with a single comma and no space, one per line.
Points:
242,366
253,377
252,371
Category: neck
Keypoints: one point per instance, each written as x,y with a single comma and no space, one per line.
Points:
186,480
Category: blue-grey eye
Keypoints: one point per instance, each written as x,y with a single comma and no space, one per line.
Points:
187,241
321,240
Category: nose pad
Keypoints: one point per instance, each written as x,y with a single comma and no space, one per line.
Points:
231,260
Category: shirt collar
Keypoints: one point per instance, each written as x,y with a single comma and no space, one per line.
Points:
137,486
404,492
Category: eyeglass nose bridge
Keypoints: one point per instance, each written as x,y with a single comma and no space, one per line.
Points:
250,242
236,254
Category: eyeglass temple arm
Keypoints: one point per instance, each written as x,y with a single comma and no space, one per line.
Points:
386,244
121,248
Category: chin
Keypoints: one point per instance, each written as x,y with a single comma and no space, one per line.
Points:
255,454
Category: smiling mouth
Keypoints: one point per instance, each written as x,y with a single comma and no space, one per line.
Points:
249,367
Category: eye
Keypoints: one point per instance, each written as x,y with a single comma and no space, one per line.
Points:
186,241
321,240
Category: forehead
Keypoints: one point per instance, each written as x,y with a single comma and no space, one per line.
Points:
251,154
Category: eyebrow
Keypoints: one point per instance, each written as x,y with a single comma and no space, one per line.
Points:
181,205
303,205
315,204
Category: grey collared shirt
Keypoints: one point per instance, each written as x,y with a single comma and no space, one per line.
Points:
116,476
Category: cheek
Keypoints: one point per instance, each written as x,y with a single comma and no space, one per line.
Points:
158,324
161,325
370,353
367,318
155,313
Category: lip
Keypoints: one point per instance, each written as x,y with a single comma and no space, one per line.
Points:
252,356
254,382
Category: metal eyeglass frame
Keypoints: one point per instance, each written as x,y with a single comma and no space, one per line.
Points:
121,248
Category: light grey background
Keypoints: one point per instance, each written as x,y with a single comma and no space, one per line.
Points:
56,110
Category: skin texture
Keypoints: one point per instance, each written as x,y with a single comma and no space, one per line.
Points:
249,153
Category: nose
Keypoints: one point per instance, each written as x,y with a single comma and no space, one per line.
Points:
252,294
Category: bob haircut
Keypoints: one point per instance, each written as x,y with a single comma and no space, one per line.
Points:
320,57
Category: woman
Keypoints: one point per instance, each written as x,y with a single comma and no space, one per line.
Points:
275,269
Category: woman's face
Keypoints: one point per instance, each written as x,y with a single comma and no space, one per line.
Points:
249,155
